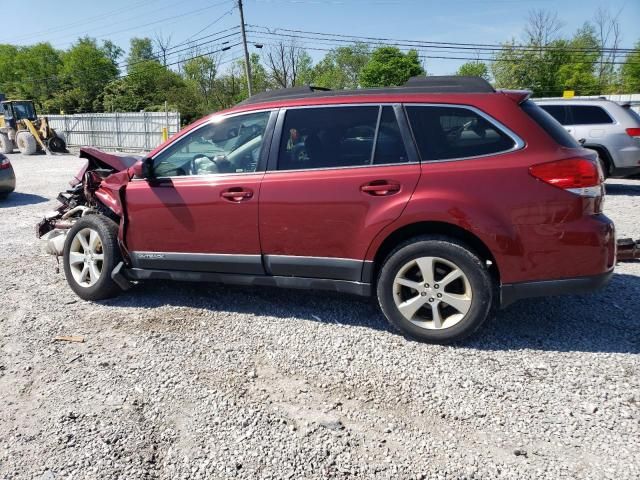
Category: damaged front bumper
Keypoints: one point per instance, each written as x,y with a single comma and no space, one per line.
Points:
55,225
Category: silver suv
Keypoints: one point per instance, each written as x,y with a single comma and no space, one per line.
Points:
610,129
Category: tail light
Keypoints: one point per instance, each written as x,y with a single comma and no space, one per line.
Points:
633,132
4,163
577,175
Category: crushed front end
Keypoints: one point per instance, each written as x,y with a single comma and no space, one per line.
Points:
95,190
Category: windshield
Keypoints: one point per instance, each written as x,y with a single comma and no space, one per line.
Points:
22,110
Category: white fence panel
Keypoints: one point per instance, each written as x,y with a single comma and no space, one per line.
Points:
139,131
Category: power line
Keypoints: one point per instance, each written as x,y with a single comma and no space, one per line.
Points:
185,42
84,21
139,26
441,57
417,43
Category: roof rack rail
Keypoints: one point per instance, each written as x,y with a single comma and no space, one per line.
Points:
443,84
451,83
283,93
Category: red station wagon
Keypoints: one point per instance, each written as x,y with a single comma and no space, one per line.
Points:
444,198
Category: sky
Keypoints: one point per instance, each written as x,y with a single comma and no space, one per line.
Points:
461,21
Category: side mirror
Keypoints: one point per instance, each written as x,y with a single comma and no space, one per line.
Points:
140,169
582,141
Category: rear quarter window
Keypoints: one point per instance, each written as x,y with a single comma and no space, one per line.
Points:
443,133
549,125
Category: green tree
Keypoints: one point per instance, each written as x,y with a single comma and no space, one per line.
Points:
86,70
259,76
36,71
388,66
140,49
630,72
147,86
578,72
8,76
288,65
474,69
200,73
340,68
550,69
111,50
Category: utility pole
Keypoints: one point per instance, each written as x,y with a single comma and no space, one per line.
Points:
247,66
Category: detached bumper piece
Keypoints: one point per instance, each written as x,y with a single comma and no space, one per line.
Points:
628,249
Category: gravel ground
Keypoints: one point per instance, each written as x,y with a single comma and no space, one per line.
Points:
209,381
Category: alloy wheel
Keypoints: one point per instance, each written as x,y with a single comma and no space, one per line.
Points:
432,293
86,257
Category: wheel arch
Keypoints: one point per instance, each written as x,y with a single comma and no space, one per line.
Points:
603,153
450,230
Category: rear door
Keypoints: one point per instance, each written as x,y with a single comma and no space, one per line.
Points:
337,175
589,122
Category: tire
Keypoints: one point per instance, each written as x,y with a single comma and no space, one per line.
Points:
87,275
26,143
57,144
6,145
472,289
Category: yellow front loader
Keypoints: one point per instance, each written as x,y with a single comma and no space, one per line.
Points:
20,127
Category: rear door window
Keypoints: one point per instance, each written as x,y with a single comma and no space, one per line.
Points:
344,136
443,133
589,115
559,112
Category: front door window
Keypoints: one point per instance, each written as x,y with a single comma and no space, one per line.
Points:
226,145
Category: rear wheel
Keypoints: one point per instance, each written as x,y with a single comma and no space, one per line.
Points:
91,253
435,289
26,143
6,145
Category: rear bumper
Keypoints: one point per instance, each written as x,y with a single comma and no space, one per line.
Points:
7,181
515,291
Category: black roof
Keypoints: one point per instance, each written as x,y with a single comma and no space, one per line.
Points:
422,84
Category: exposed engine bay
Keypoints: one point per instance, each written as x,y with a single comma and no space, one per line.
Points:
95,189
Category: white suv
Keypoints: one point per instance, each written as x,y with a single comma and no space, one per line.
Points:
610,129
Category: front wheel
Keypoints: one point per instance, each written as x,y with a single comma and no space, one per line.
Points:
435,289
91,253
27,143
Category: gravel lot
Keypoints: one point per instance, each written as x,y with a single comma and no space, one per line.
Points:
209,381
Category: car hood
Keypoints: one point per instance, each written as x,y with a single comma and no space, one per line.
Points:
100,159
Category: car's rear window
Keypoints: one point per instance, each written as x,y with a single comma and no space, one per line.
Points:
549,124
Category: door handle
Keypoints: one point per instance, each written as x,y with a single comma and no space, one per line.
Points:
236,194
380,188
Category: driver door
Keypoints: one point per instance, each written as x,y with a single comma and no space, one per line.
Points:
198,211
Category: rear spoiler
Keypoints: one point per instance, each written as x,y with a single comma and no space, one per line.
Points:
518,96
